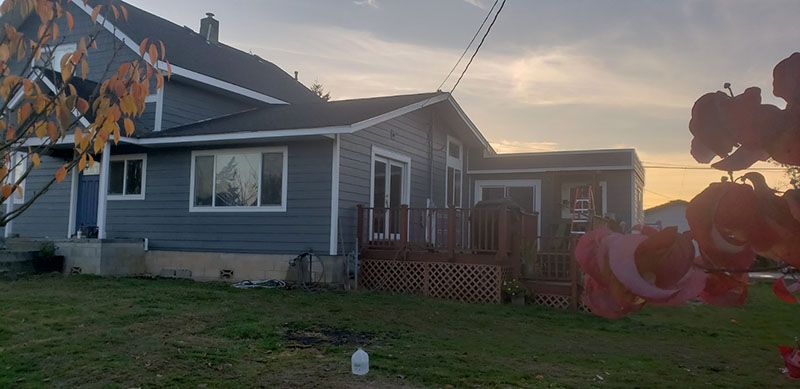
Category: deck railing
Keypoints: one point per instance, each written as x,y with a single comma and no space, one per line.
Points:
446,233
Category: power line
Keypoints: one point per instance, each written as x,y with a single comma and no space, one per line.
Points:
477,49
466,49
658,194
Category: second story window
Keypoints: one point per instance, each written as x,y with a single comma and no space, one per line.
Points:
51,56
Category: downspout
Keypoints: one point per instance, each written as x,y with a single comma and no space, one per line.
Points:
431,202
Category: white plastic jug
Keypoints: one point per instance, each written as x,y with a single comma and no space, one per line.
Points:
360,362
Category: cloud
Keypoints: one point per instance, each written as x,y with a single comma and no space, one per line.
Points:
478,3
514,146
366,3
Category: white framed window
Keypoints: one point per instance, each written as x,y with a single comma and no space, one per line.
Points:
127,177
51,56
568,198
526,193
239,180
454,180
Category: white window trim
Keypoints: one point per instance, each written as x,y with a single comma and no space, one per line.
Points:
456,163
537,192
125,158
603,187
393,155
260,150
16,197
56,61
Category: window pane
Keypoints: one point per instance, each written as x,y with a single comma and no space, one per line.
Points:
133,178
271,178
203,180
493,193
450,191
454,149
116,177
457,188
523,196
236,180
379,183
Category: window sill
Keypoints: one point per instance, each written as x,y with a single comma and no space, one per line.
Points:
237,209
124,197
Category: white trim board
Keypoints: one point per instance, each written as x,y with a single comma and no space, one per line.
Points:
335,164
550,169
177,70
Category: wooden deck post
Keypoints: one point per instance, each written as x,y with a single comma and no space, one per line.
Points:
404,226
360,226
574,277
451,232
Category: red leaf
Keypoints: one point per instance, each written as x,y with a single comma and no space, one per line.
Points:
782,292
786,79
791,358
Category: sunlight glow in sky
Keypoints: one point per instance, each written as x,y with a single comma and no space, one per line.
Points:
553,75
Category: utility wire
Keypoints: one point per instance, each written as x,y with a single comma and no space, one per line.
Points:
477,49
466,49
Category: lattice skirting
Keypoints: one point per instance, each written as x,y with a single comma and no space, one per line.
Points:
557,301
456,281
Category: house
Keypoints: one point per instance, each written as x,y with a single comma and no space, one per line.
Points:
672,213
236,167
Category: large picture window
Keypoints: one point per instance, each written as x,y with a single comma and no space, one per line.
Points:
239,180
126,177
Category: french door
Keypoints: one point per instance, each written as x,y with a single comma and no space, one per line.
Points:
388,192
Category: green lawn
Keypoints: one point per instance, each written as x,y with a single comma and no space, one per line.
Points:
72,331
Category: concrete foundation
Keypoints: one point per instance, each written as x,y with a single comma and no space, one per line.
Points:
207,266
106,257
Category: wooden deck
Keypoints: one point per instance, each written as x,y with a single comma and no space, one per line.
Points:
464,254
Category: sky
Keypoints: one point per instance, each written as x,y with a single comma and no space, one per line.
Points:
552,75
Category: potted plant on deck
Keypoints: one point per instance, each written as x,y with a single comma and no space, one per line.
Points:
46,260
515,291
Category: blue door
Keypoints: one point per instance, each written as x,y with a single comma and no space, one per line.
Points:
86,212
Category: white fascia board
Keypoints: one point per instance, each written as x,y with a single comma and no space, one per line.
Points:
177,69
239,136
199,77
397,112
551,169
470,124
54,89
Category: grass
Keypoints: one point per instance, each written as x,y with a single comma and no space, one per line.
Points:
99,332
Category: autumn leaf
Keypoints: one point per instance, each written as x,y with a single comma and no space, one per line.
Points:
129,127
153,53
143,46
35,159
70,21
7,190
61,173
96,12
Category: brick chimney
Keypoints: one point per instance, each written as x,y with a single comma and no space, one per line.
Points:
209,28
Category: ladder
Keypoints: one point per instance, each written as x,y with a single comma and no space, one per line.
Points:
582,210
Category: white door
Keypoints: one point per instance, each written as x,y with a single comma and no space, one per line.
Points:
388,189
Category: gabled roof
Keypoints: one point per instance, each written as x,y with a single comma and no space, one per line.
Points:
320,115
187,49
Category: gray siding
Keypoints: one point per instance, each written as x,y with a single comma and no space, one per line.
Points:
407,135
164,217
184,104
48,217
